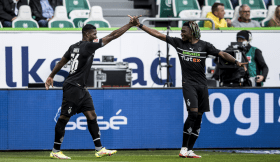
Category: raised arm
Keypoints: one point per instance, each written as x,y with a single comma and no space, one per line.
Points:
150,31
56,69
231,59
117,33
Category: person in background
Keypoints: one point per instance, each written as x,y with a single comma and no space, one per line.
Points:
9,11
217,15
43,10
257,67
234,3
275,21
244,19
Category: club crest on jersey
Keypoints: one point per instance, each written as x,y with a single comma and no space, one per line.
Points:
96,40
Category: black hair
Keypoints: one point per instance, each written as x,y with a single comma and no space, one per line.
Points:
186,24
215,7
88,27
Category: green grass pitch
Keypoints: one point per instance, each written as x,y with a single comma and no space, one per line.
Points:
137,155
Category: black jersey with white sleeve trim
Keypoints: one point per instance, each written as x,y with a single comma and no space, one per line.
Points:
81,55
192,58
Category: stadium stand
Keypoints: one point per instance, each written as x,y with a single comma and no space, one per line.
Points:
236,13
165,9
275,2
60,19
228,7
116,11
204,11
24,19
96,18
258,9
270,14
180,5
188,14
77,10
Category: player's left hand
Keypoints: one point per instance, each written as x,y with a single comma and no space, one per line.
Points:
242,64
49,82
260,78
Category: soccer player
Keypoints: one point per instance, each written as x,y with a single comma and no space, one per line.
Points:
76,98
192,53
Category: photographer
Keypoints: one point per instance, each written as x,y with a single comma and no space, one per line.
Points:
257,67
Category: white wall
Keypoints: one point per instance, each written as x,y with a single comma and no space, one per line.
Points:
52,45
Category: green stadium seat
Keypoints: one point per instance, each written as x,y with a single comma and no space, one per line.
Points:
96,18
271,10
275,2
60,19
24,19
258,9
188,14
78,11
228,7
76,5
180,5
165,8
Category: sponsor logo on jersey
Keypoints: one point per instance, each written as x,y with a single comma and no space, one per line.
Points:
186,58
96,40
249,59
191,53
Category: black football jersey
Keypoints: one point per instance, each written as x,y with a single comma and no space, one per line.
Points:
192,58
81,55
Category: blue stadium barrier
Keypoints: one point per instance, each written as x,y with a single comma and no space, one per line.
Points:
141,119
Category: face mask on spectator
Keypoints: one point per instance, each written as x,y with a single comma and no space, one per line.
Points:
245,43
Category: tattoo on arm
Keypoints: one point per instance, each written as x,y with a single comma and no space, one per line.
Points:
115,34
58,66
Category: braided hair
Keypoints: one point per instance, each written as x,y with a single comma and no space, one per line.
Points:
194,28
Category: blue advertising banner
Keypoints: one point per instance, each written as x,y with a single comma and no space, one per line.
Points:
141,119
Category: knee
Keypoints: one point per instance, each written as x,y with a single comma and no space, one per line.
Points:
192,115
91,115
64,118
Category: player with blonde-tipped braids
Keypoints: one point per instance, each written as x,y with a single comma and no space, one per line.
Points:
192,53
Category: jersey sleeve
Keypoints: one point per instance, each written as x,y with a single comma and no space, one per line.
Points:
67,54
211,50
173,41
94,45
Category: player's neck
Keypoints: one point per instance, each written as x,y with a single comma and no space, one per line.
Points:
85,39
193,41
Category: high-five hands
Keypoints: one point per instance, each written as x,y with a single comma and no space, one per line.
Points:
134,20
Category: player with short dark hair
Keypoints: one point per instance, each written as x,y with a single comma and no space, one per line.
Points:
76,98
192,53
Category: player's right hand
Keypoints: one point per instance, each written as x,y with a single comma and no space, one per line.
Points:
134,20
49,82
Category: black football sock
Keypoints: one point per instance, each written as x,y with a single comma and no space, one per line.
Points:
95,133
195,133
188,127
59,133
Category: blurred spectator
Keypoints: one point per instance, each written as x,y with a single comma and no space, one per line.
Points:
275,21
267,3
43,10
257,67
9,11
234,3
244,19
217,15
201,3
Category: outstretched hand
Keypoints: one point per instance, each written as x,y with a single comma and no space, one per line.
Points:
242,64
134,20
49,82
